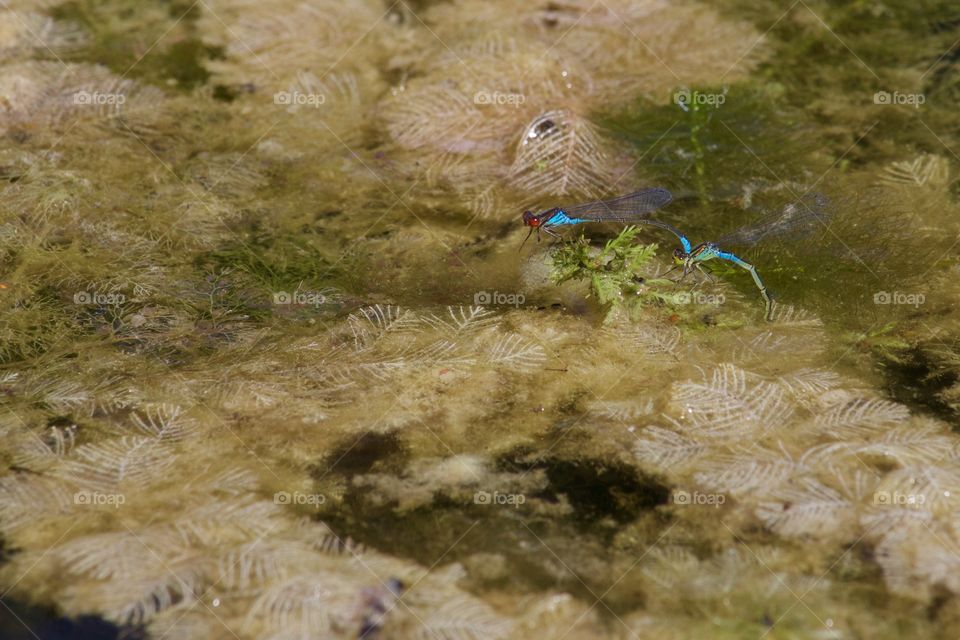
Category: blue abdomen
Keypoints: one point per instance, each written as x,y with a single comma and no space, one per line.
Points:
562,218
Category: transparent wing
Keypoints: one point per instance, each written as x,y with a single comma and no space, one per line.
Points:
623,209
797,219
663,225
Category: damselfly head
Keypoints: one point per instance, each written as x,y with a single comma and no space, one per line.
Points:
679,255
530,219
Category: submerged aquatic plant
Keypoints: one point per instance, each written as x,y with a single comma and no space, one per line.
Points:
493,80
611,271
622,274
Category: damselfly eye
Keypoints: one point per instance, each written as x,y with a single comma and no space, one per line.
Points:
529,219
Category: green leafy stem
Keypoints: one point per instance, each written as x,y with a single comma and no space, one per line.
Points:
615,272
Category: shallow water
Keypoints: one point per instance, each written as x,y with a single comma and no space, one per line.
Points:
274,367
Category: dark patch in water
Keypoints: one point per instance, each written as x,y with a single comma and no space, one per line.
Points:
229,93
454,530
542,545
596,488
941,597
5,551
18,135
183,61
917,382
362,455
20,621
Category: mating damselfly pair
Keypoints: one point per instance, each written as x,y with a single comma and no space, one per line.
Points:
799,218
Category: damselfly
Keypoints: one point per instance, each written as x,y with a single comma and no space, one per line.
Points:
795,220
633,207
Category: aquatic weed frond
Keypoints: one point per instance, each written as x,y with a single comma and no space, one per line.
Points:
561,153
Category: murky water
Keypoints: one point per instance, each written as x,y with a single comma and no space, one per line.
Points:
273,365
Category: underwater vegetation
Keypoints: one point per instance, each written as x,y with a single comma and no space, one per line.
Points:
273,366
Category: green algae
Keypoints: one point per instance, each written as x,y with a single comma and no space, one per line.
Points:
159,36
614,272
